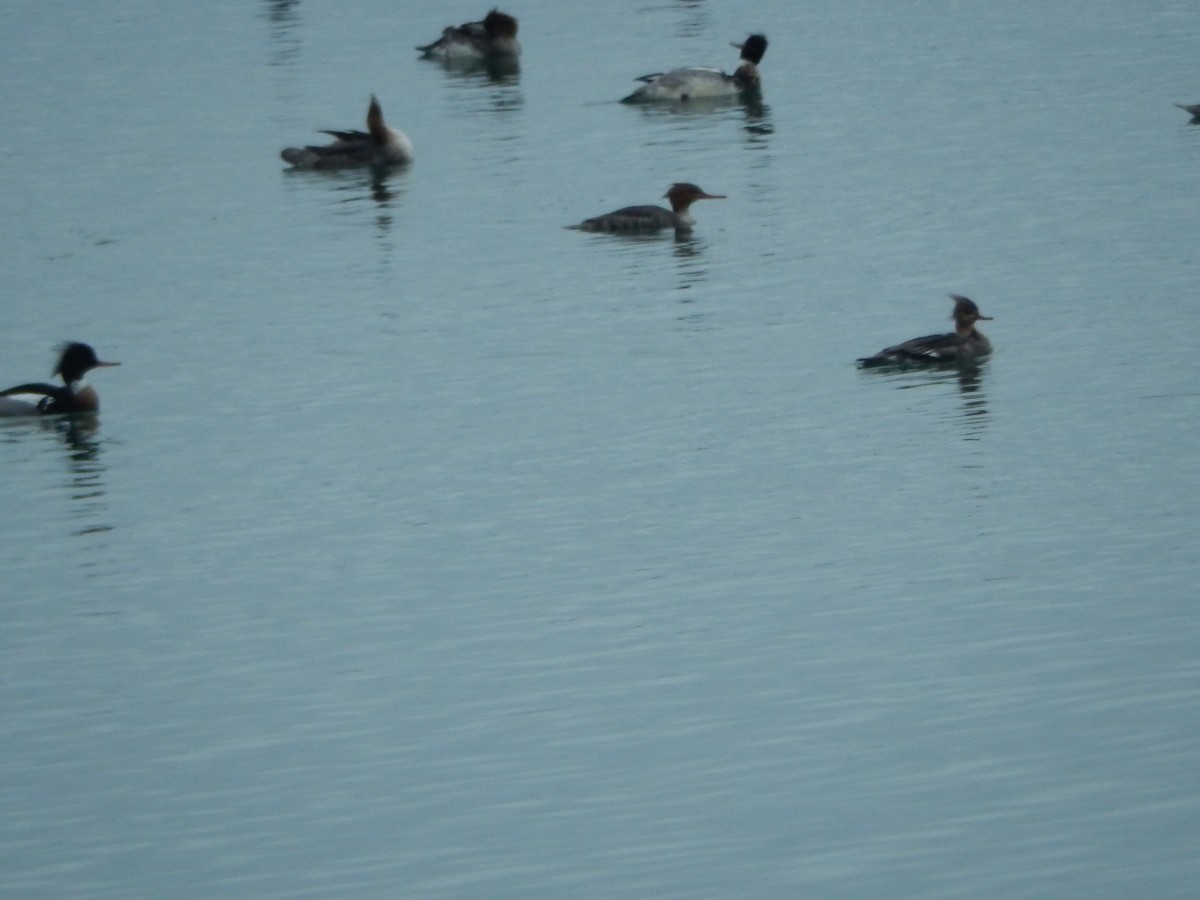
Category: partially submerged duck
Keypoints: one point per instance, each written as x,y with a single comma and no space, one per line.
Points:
378,147
701,83
494,38
75,395
647,219
1193,110
963,344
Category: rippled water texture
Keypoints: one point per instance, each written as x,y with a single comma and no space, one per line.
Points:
426,548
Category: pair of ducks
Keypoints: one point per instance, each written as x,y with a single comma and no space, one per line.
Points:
493,39
965,344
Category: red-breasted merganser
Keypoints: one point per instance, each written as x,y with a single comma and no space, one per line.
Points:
1193,110
494,38
699,83
378,147
961,345
646,219
75,396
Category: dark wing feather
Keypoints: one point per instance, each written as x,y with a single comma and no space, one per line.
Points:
347,135
931,348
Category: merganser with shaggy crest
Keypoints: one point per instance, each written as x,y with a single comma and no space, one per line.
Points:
494,38
379,147
701,83
964,344
646,219
74,396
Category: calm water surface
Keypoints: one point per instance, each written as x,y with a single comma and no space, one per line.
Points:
425,548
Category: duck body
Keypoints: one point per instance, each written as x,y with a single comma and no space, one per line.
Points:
379,147
637,220
492,38
964,344
704,83
649,219
74,395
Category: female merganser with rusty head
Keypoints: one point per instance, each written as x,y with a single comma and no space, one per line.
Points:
699,83
645,219
379,147
1193,110
494,38
75,396
962,345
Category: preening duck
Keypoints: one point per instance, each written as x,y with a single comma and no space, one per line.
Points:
75,395
646,219
701,83
492,38
963,344
378,147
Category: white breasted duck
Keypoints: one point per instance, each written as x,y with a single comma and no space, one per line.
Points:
646,219
701,83
494,38
1191,109
964,344
74,396
378,147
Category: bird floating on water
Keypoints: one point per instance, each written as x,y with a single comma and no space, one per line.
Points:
74,395
702,83
494,38
963,344
379,147
647,219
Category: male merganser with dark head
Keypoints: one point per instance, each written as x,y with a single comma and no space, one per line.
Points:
75,396
494,38
1193,110
700,83
379,147
962,345
646,219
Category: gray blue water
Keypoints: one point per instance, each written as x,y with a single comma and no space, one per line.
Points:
424,548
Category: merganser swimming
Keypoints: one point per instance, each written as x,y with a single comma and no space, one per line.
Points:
962,345
646,219
494,38
1193,110
700,83
378,147
76,396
